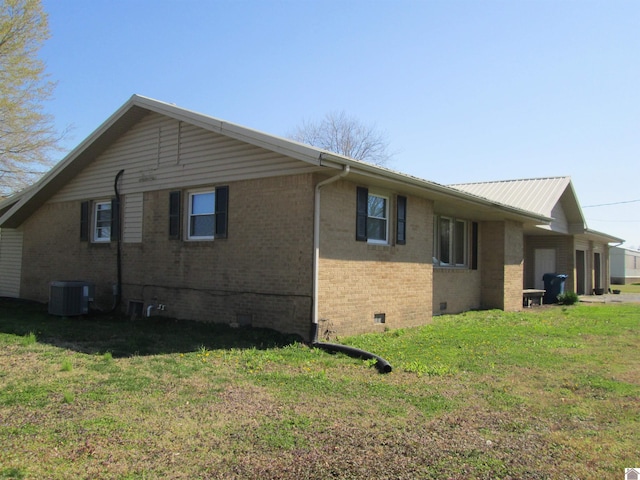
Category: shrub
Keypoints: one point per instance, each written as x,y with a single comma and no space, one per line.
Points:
568,298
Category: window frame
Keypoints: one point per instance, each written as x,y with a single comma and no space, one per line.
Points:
394,204
190,195
385,240
96,237
454,243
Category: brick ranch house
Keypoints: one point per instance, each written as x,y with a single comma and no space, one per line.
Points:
221,223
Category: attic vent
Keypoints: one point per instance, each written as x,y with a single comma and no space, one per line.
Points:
70,298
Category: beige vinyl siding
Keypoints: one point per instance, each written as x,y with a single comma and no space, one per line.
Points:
631,265
132,219
162,153
10,262
582,245
560,222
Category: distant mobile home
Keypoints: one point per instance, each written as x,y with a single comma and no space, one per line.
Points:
625,266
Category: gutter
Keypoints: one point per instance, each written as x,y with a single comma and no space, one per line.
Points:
316,245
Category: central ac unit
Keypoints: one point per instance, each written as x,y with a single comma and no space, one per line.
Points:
70,298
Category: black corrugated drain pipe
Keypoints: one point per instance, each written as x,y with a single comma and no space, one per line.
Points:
381,364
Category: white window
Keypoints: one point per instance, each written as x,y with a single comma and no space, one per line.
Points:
202,208
450,242
102,222
377,219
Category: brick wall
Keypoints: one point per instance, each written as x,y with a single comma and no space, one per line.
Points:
52,251
513,266
456,289
261,272
358,280
501,265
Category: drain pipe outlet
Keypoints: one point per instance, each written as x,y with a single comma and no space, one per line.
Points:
381,364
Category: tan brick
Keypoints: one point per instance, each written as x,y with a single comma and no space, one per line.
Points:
358,280
262,270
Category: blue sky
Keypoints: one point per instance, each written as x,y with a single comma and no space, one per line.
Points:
465,90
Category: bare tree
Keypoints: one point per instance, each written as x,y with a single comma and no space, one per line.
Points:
27,134
340,133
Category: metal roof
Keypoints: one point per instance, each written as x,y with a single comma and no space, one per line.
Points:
539,195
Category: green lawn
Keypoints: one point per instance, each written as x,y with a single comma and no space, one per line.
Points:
553,392
630,288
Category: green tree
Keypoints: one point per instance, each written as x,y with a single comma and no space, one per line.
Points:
340,133
27,133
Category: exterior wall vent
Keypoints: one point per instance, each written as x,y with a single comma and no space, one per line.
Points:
135,309
70,298
244,319
379,318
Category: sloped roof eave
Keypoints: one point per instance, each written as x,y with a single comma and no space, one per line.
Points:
366,169
138,106
135,108
602,237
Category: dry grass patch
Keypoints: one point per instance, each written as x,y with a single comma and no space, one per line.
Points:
549,393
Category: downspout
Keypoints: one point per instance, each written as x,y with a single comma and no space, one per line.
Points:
316,246
118,286
381,364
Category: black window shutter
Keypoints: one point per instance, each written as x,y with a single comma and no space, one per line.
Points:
362,210
401,221
174,215
115,219
474,246
84,222
222,211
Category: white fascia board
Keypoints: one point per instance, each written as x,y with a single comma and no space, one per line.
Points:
244,134
384,174
67,161
603,237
